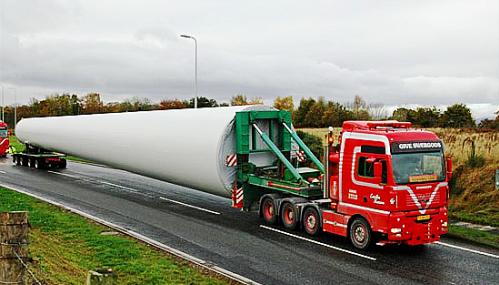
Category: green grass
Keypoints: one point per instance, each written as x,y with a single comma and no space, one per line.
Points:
20,147
65,246
482,237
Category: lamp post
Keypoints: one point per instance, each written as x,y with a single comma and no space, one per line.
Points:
195,66
3,106
15,106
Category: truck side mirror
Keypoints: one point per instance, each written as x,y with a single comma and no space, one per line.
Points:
448,166
378,172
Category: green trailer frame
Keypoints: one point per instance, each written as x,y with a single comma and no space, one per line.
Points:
281,176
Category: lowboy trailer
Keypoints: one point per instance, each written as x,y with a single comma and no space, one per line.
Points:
39,158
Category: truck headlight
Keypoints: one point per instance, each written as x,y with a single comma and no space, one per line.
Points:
444,224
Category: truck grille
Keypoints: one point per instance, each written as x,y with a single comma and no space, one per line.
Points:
423,200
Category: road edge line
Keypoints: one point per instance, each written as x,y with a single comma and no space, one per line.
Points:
178,253
319,243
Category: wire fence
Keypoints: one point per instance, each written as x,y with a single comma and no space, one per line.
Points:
20,278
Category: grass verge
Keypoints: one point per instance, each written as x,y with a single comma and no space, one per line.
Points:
474,235
65,246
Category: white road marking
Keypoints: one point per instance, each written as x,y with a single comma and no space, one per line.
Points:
119,186
63,174
190,206
468,249
150,241
319,243
3,172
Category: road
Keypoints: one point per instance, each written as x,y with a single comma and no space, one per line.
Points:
206,227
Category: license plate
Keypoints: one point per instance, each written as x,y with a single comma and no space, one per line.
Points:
423,218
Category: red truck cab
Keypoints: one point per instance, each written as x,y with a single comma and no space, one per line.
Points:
4,139
387,182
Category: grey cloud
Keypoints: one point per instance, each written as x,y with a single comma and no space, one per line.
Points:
429,52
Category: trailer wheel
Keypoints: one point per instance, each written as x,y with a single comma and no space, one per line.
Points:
24,161
360,233
289,216
311,221
38,164
268,211
14,159
31,162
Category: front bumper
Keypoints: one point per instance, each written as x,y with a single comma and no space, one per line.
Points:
405,228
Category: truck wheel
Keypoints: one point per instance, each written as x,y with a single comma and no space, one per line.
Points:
24,161
63,164
14,159
32,162
289,216
268,211
360,233
311,221
38,164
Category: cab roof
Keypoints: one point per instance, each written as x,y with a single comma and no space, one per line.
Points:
392,129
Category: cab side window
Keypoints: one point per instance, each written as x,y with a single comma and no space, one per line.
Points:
365,169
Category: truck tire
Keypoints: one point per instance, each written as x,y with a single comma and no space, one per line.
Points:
360,233
38,164
63,163
31,162
268,211
14,160
24,161
311,221
289,215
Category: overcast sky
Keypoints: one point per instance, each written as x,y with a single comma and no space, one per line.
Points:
392,52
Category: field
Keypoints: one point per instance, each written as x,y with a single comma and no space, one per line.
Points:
457,142
65,246
473,194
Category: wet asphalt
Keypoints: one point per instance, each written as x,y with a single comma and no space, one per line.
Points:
235,240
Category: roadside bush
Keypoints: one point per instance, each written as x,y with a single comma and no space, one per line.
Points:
474,159
313,142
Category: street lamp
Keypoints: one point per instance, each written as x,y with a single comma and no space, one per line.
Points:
15,106
195,66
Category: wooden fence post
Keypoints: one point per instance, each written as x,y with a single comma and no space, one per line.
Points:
14,229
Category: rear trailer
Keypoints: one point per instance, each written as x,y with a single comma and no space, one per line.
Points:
39,158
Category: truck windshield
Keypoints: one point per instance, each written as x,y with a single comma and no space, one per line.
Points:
3,132
418,167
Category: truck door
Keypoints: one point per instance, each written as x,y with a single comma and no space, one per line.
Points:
370,190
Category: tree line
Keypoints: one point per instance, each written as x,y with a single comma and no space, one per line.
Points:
310,113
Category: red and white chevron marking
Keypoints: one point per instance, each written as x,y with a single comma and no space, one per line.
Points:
300,155
231,160
237,197
4,140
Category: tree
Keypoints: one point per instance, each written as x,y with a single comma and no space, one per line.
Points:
457,116
377,111
359,109
172,104
313,118
335,115
92,103
427,117
238,100
302,111
203,102
284,103
404,115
